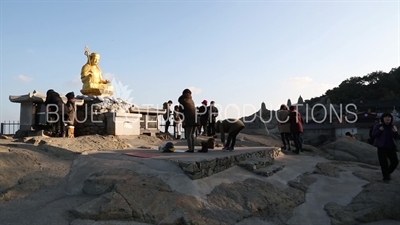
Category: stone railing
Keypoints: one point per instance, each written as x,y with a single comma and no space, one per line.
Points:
207,167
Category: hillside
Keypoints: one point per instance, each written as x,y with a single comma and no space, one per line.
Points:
377,85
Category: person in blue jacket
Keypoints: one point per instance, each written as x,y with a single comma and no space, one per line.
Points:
384,134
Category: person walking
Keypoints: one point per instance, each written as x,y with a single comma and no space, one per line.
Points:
190,122
296,128
284,126
178,122
167,115
213,114
384,134
203,112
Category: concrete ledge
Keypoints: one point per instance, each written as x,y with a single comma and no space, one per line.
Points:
197,168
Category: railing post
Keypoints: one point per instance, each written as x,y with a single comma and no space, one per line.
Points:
2,129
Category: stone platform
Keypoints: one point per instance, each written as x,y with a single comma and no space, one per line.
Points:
200,165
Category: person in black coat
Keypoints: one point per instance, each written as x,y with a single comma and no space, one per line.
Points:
212,114
203,112
190,122
384,135
69,114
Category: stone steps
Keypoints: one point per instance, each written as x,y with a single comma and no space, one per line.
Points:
261,166
249,159
256,163
269,171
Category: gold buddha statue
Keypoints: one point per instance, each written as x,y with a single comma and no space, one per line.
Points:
92,77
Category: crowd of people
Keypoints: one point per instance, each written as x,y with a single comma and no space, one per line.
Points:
290,126
200,120
60,114
203,121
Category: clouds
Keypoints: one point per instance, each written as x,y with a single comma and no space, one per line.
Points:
121,91
76,82
23,78
306,87
195,90
299,83
108,76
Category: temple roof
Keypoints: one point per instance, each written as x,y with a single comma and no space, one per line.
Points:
37,97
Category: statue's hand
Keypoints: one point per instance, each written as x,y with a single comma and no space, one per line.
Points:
106,81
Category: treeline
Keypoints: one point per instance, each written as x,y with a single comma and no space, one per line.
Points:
374,86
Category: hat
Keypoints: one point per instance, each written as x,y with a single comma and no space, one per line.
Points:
386,114
204,102
49,91
70,95
186,91
168,147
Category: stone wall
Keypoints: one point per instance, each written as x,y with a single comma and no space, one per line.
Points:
89,121
207,167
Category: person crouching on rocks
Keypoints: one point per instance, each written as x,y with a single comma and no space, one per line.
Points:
384,134
233,128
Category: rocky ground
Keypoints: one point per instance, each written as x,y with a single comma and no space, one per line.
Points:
85,180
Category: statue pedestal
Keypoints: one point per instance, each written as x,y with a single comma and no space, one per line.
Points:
98,90
123,123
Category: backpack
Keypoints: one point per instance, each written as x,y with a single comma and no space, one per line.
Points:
168,147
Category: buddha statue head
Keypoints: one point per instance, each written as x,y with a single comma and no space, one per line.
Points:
94,59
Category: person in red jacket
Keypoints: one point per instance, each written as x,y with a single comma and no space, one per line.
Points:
296,128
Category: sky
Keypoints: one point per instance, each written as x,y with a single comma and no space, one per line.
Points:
237,53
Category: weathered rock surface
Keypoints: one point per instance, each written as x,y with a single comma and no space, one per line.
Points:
377,201
341,155
107,207
21,171
147,199
328,169
348,149
302,182
105,222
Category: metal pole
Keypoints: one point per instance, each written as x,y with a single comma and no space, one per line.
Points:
2,129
